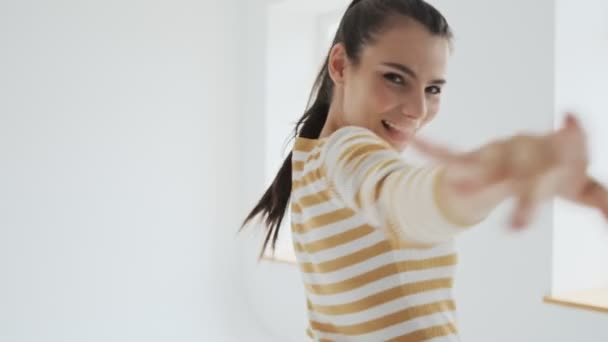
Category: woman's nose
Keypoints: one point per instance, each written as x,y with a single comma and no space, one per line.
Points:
415,106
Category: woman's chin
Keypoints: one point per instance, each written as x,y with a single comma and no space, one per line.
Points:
397,138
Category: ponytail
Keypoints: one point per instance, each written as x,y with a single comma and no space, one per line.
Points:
273,204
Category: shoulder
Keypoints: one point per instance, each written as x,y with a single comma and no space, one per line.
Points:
353,135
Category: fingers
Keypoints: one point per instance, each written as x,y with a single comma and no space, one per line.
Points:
594,195
527,202
571,135
572,122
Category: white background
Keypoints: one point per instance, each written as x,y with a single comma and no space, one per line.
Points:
119,166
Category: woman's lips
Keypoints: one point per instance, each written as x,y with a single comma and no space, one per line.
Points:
398,133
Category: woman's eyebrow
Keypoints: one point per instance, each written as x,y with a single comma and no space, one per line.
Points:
407,70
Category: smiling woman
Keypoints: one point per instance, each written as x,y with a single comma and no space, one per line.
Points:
364,74
399,81
374,235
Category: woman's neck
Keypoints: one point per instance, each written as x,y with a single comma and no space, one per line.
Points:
332,122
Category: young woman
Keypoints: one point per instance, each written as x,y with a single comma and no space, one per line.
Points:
373,235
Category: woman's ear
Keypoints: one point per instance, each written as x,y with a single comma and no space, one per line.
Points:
337,63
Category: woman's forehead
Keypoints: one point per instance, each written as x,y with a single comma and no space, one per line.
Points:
411,44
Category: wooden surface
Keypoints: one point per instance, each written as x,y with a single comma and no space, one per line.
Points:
595,300
285,258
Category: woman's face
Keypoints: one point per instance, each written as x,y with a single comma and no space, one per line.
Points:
395,88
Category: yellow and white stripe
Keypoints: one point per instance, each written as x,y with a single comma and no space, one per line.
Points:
376,253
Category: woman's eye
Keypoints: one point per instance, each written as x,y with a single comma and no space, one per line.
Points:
434,90
394,78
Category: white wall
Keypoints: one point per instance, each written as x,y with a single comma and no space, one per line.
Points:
581,238
118,165
273,292
501,82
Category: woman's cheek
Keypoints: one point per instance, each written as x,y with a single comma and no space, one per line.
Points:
384,99
432,110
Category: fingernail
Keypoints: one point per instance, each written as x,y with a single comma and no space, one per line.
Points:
570,119
519,221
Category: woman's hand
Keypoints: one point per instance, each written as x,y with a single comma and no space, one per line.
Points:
531,168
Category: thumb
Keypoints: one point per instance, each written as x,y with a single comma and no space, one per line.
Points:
595,195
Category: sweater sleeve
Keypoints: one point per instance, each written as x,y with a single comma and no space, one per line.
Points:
371,177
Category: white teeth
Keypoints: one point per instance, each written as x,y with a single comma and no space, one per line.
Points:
393,126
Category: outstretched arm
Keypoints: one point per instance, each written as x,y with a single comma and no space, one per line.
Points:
531,168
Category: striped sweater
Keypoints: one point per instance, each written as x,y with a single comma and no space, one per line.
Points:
375,250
